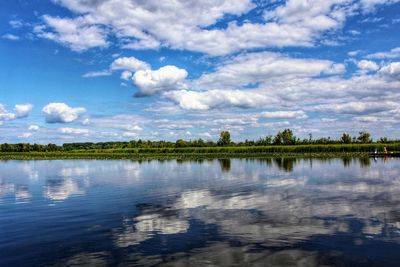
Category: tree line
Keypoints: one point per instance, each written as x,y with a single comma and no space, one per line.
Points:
282,138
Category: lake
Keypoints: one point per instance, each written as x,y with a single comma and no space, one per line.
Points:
230,212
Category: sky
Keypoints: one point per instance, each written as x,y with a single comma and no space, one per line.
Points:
118,70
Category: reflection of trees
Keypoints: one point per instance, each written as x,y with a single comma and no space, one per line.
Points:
224,254
98,259
365,161
225,164
346,161
285,164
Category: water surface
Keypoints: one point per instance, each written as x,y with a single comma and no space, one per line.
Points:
271,212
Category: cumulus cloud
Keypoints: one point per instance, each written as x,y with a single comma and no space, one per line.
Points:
127,64
126,75
391,71
193,100
150,82
20,111
297,114
61,113
131,64
5,115
264,66
367,66
33,127
187,24
78,34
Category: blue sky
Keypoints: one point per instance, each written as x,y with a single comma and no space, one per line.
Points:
80,70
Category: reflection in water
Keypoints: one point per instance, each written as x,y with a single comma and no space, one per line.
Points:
269,212
223,254
22,194
62,189
225,164
152,220
285,164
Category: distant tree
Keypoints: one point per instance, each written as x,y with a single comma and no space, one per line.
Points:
286,137
383,140
322,140
346,138
224,138
181,143
364,137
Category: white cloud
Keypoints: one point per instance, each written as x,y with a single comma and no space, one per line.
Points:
298,114
126,75
265,66
367,119
394,53
370,5
15,24
127,64
10,36
184,24
25,135
391,71
86,121
192,100
5,115
360,107
74,131
131,64
133,128
354,53
367,65
61,113
33,127
129,134
166,78
97,74
78,33
22,110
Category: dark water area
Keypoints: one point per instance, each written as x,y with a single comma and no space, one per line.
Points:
231,212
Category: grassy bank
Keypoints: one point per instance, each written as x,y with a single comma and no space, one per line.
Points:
331,150
148,156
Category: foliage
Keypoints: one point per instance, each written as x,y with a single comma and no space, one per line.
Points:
283,142
364,137
346,138
286,137
224,138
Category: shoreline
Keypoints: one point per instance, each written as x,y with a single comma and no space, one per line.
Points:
171,156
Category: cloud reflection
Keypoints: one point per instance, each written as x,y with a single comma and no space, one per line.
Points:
152,221
59,190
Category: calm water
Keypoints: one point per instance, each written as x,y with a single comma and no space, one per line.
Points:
278,212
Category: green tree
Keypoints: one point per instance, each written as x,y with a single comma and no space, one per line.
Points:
286,137
383,140
224,138
364,137
346,138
